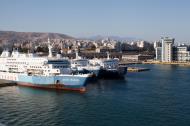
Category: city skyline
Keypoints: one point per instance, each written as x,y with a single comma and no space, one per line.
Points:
148,20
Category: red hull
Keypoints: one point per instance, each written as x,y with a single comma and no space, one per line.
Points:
52,86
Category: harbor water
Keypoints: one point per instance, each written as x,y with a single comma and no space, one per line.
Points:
159,97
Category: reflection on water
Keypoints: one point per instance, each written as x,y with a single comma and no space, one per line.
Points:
107,85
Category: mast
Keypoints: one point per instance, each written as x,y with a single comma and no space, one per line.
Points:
50,48
76,54
61,47
108,55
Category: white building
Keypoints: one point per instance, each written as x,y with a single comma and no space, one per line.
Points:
137,57
97,50
141,44
157,44
181,53
167,46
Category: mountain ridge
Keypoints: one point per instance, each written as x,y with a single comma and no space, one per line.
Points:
14,35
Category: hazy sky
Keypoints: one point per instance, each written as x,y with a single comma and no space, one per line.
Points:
146,19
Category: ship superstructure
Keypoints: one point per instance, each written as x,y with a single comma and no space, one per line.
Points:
82,65
110,67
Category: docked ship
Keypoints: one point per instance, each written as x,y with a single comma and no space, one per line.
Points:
110,68
40,72
82,65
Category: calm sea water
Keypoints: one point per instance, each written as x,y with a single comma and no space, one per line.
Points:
160,97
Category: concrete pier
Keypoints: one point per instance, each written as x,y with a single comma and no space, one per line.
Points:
167,63
4,83
136,69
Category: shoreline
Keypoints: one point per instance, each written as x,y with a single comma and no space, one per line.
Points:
155,62
168,63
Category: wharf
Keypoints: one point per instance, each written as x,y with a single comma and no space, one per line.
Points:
168,63
137,69
4,83
129,63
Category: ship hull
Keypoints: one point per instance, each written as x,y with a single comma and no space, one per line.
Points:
63,82
113,74
52,86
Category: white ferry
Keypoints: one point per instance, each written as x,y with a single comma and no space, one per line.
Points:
40,72
83,66
110,67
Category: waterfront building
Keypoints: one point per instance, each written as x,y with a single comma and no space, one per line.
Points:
167,49
137,57
181,53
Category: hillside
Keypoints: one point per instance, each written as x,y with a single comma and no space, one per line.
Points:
17,36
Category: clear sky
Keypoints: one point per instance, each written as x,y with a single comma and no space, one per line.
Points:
145,19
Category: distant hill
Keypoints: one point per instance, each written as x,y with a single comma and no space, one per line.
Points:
12,36
100,37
